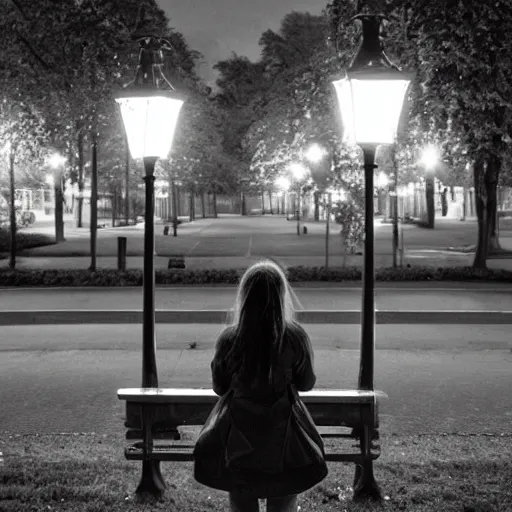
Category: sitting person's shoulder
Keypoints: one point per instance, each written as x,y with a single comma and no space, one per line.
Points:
226,335
295,330
296,334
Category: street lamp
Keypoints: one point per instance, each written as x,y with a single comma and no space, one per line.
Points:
149,108
371,98
299,172
429,159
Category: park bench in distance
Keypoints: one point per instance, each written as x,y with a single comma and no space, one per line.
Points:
155,414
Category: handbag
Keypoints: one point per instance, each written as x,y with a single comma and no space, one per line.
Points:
290,438
304,445
213,435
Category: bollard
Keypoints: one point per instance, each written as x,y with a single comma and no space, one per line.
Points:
121,253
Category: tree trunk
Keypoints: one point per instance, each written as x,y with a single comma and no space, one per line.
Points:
59,205
94,200
80,200
270,200
263,202
178,201
203,207
114,206
215,214
243,209
429,195
191,205
12,210
486,171
317,205
494,241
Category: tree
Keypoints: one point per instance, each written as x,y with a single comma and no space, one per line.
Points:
22,135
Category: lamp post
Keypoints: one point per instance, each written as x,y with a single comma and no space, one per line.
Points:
371,97
149,108
299,172
429,159
320,160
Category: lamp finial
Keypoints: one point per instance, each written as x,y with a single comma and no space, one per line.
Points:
151,61
370,52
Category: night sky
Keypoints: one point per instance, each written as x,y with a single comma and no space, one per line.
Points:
217,28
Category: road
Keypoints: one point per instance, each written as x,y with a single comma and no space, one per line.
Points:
438,378
335,296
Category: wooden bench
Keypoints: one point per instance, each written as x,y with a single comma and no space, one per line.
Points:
156,414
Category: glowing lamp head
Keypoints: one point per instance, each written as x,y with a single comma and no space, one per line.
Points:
315,153
149,118
56,160
429,157
372,93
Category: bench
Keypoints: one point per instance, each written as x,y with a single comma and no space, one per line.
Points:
154,415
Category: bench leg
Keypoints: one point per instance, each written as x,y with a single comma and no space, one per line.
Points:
151,481
365,485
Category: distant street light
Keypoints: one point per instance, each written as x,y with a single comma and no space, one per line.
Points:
371,98
299,173
316,153
429,157
150,107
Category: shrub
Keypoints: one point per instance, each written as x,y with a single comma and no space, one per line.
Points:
23,240
113,277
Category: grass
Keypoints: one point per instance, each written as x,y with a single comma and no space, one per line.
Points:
88,473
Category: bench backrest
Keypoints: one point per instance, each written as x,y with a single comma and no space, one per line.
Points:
181,406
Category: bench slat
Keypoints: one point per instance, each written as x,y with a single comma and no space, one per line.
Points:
176,452
190,395
325,431
171,416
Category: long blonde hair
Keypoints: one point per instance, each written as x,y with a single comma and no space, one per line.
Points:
263,310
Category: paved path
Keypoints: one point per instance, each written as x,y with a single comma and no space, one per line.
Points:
69,384
246,237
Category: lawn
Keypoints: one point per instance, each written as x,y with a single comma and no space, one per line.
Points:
88,473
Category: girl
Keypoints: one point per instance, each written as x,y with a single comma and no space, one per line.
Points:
268,446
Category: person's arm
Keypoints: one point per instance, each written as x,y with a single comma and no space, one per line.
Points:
221,380
304,377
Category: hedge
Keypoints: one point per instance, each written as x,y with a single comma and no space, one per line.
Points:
113,277
23,241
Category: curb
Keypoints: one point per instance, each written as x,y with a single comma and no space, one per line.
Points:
69,317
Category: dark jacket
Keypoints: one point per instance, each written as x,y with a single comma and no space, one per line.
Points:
261,415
